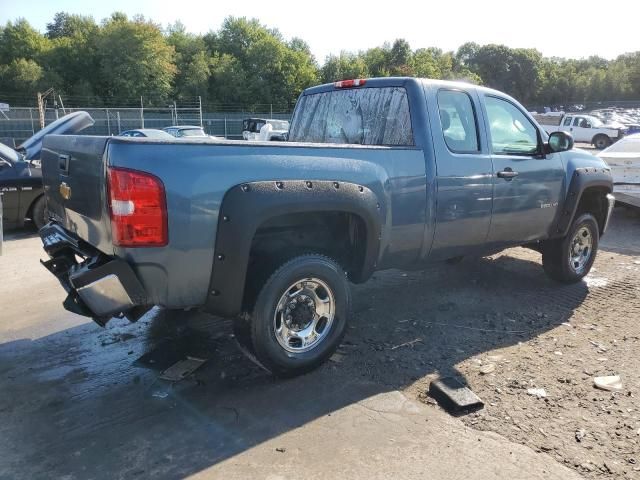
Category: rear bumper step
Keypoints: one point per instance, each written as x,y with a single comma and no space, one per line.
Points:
98,286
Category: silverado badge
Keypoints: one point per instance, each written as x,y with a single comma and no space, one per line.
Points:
65,191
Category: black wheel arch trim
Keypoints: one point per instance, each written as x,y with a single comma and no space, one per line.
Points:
247,206
581,180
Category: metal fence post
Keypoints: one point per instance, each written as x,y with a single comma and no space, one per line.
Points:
200,108
225,127
108,122
33,131
118,119
141,112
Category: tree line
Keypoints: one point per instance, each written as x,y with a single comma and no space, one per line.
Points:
245,63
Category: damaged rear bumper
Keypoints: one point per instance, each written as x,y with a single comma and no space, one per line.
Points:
98,286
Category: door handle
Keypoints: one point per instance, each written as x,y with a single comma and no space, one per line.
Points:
507,174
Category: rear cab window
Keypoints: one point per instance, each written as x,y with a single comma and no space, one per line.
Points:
361,116
458,121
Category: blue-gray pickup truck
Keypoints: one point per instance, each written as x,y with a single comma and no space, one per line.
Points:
375,174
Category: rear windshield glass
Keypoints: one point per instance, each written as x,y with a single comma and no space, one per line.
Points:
365,116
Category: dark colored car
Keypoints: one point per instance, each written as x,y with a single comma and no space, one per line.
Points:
21,176
146,132
21,187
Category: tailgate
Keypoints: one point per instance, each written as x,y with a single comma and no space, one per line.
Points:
73,173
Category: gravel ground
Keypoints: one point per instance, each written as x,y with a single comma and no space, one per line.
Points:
501,315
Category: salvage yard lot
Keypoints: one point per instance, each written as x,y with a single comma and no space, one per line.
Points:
84,402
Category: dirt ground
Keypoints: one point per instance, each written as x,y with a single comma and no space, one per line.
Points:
503,312
78,401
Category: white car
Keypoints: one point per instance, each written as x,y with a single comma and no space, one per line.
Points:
583,128
624,159
264,129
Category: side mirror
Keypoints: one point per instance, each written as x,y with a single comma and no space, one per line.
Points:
559,142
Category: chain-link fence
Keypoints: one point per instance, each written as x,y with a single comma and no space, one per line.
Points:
19,123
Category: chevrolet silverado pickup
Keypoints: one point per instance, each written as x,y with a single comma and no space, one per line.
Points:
375,174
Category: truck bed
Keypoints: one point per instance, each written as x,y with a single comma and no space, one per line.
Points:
196,176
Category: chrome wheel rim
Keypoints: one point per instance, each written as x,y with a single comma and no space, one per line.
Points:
580,250
304,315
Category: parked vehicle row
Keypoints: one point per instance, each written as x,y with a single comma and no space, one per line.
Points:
375,174
253,129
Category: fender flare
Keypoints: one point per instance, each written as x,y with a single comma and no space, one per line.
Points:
247,206
581,180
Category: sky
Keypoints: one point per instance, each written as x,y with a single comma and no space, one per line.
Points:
561,28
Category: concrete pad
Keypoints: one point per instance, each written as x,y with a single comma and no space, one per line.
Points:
388,436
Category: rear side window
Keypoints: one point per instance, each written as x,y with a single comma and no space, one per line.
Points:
363,116
458,120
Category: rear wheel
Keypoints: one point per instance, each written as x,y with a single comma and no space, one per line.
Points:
39,212
300,315
570,258
601,142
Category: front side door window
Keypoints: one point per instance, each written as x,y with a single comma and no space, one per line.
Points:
511,132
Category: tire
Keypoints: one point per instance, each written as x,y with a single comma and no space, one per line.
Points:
39,212
300,315
560,258
601,142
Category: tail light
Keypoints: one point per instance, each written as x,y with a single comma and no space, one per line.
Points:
138,209
350,83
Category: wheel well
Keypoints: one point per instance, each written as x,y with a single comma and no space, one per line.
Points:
29,212
339,235
594,201
595,137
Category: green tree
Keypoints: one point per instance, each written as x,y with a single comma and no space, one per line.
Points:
343,67
20,77
400,58
21,40
134,60
72,56
69,25
275,71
